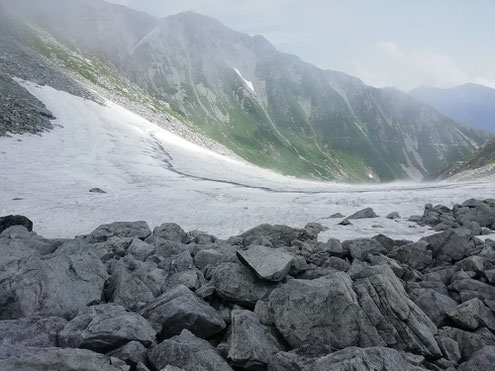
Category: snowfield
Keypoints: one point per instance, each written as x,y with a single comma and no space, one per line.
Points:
153,175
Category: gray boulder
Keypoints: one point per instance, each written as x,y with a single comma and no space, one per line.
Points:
267,263
363,214
140,250
236,283
187,352
180,309
133,352
365,359
120,229
415,255
11,220
393,215
170,232
469,289
435,305
322,311
276,235
400,322
62,359
483,359
450,245
105,327
469,342
128,289
471,315
48,286
252,344
208,257
19,334
360,248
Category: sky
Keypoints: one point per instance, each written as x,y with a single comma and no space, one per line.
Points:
399,43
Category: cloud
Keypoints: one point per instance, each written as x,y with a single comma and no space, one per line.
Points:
389,65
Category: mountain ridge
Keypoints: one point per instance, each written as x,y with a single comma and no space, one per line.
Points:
469,103
272,108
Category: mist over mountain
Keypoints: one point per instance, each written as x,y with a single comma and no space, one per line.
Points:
471,104
271,108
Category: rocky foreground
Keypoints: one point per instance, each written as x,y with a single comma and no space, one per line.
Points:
128,298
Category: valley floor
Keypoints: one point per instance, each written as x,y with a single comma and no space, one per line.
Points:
151,174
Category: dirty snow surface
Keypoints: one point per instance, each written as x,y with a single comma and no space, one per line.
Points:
150,174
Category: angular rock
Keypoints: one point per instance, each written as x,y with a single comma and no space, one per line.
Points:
450,245
208,257
469,289
298,359
62,359
365,359
450,348
471,315
170,232
277,235
415,255
120,229
47,286
252,344
363,214
435,305
267,263
322,311
469,342
105,327
180,309
187,352
237,283
345,222
128,290
483,359
140,250
400,322
17,335
134,352
360,248
11,220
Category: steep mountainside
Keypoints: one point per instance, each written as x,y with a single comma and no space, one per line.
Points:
483,158
269,107
471,104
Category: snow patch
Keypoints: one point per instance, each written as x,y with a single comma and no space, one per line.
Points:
248,83
153,175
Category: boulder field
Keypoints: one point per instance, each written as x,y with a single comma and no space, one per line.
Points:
126,297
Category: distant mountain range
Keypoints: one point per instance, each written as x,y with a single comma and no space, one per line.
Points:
471,104
271,108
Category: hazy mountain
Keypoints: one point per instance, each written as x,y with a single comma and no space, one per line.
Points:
471,104
476,162
271,108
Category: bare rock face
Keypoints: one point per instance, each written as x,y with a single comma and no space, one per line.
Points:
237,283
252,345
120,229
483,359
400,322
188,352
180,309
17,336
324,310
267,263
62,359
105,327
365,359
55,285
